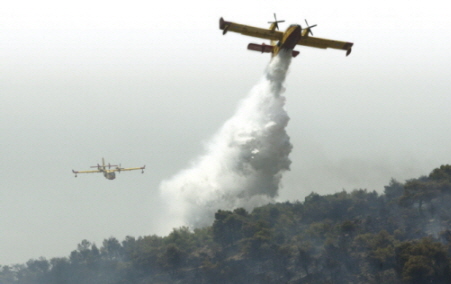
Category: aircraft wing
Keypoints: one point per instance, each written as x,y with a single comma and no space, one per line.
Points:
325,43
249,31
128,169
86,172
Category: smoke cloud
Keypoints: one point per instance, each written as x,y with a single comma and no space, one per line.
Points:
245,159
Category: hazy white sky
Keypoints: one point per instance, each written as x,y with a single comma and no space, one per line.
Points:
140,83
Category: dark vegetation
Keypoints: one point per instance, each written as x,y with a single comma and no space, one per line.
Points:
400,236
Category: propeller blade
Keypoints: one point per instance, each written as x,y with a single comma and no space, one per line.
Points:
309,28
276,22
280,21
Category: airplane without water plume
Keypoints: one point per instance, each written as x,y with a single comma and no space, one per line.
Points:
294,35
109,171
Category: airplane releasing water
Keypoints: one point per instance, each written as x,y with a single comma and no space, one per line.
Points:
294,35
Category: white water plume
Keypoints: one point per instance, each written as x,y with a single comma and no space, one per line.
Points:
244,161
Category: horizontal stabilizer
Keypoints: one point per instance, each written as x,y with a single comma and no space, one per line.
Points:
260,47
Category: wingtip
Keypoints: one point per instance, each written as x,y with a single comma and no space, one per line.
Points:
348,47
223,25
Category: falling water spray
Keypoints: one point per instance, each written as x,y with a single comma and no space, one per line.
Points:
243,162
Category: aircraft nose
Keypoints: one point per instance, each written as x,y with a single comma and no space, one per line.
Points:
298,29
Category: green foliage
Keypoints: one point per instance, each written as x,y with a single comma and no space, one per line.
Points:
400,236
227,227
393,191
424,261
442,173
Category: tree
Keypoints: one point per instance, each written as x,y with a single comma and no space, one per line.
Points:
112,249
424,261
417,192
442,173
394,190
7,275
305,258
173,257
227,228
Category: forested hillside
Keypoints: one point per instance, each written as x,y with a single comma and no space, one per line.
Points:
402,235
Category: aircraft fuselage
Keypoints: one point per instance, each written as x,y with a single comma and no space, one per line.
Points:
289,40
291,37
109,175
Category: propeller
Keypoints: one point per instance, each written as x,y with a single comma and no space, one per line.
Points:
276,22
98,166
309,28
118,168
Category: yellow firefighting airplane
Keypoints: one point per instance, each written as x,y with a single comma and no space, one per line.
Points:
294,35
107,171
